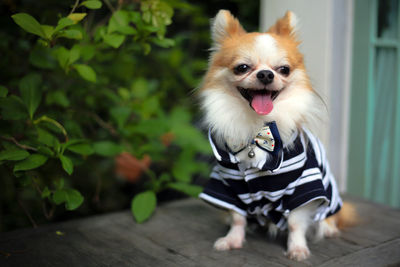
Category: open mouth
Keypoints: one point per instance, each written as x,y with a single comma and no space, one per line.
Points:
260,100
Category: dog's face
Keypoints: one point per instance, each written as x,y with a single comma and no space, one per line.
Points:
256,66
255,78
260,71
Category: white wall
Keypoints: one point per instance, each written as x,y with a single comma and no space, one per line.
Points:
326,32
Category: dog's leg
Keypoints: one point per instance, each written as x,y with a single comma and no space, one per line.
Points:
235,237
272,230
327,228
298,221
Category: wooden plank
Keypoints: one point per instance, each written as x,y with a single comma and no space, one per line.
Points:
182,233
386,254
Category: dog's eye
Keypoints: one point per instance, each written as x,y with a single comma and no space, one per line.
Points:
240,69
284,70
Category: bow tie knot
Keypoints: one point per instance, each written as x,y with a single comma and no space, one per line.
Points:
265,139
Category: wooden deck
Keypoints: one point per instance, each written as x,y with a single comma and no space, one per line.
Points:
182,233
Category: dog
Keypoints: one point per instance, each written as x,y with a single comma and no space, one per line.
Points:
260,109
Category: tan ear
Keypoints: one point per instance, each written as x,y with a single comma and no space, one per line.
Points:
287,25
224,25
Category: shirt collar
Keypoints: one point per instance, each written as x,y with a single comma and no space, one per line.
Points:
268,140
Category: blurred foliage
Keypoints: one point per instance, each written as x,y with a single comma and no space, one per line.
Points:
95,90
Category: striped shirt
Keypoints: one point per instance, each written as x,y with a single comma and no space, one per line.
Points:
282,182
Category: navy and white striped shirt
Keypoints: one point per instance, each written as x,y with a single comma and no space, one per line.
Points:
287,180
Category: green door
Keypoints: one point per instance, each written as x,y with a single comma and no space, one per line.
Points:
374,148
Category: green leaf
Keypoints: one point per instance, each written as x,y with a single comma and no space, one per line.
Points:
118,19
143,205
71,197
189,136
146,48
63,23
146,16
45,192
13,154
58,98
76,17
67,164
86,72
179,116
74,128
73,142
45,151
92,4
152,128
150,106
140,88
165,42
185,166
87,51
107,148
59,184
3,91
157,12
42,57
62,55
60,233
182,172
31,162
124,93
46,138
29,24
82,149
119,22
120,114
115,40
74,199
74,54
12,108
59,196
67,57
189,189
31,92
71,34
127,30
48,31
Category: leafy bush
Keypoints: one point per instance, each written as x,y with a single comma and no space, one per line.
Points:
82,98
92,91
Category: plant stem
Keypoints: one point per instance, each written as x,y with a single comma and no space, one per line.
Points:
12,139
47,214
103,124
108,4
55,123
74,7
27,213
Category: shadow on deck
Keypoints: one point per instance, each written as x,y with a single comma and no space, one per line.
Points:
182,233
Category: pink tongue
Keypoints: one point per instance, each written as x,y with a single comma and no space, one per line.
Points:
262,103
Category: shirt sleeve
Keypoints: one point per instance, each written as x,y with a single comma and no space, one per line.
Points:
218,192
310,185
316,182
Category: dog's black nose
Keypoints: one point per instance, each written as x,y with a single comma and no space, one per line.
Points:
265,76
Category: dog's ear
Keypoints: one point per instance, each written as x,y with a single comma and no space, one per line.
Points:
287,25
224,25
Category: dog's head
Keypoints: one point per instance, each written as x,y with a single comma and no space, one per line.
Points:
255,77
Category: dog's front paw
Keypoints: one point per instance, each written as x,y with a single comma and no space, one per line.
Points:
298,253
228,242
